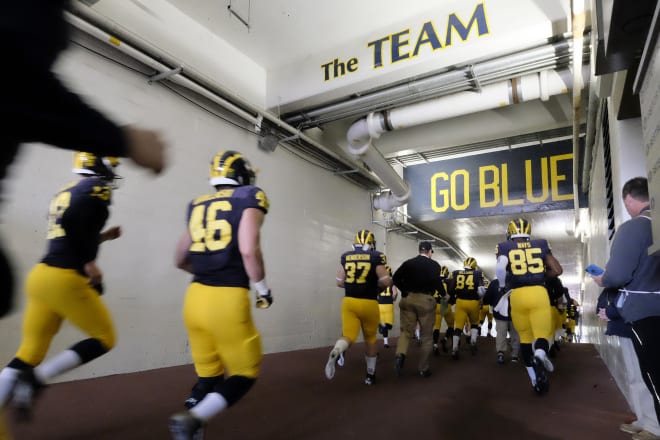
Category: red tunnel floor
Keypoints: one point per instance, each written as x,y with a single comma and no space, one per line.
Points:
469,398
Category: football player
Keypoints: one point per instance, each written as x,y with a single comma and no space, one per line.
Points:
442,310
363,274
485,312
221,248
467,286
386,300
66,285
525,264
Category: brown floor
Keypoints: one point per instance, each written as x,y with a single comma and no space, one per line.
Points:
472,398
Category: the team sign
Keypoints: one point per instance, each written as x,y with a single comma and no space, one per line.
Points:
535,178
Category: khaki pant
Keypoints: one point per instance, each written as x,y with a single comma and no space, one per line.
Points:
417,307
502,327
4,432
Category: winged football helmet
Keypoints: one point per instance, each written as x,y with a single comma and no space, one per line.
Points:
365,239
518,228
89,164
470,263
231,168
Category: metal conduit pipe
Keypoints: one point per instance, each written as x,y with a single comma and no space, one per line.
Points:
578,22
361,133
461,255
593,112
89,20
157,66
593,109
550,56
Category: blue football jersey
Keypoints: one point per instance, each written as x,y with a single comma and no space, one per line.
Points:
76,216
360,267
213,221
526,265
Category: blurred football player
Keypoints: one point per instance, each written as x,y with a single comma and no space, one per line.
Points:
66,285
443,311
525,264
38,107
386,300
363,274
467,286
485,312
221,247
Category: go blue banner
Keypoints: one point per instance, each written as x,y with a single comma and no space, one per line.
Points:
518,180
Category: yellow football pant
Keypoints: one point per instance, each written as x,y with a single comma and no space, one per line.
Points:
386,313
484,312
221,331
53,295
449,317
531,313
466,312
359,314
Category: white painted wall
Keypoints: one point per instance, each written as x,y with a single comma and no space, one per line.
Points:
628,160
313,219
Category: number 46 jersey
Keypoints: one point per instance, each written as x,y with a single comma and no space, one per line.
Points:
213,221
526,265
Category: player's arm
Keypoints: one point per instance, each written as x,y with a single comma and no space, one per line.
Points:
395,292
249,245
441,289
111,233
181,255
552,267
341,276
500,267
384,278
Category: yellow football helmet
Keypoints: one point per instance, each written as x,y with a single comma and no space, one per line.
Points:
89,164
444,272
518,228
365,239
470,263
231,168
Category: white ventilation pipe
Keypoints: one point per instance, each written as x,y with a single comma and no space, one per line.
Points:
578,22
361,134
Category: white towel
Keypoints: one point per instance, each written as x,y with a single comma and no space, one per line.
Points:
502,306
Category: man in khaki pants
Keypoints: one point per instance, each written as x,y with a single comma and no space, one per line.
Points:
418,279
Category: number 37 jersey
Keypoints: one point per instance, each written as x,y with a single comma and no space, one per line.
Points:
213,221
526,265
361,278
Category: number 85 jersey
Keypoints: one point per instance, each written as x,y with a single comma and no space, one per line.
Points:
526,266
213,222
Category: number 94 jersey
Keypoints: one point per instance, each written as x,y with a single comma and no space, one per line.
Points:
526,265
213,221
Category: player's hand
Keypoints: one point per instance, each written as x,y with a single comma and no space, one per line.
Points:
99,288
146,148
111,233
94,273
264,301
481,291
